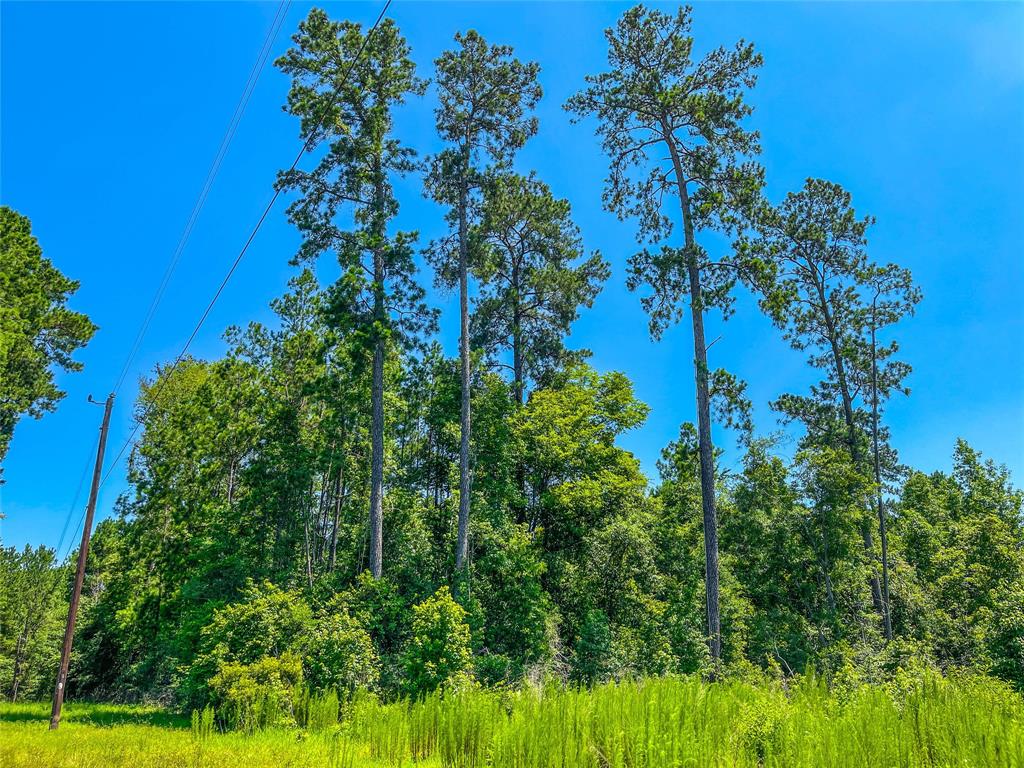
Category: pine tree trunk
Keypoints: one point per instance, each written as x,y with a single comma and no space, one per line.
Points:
707,460
462,543
377,391
377,462
518,364
705,446
339,496
882,533
851,432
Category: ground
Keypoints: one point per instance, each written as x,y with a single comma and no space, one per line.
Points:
969,722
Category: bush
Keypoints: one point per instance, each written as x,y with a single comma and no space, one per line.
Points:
340,656
494,669
253,697
377,606
265,622
438,654
759,726
593,649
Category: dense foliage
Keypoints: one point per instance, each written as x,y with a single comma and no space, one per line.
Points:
298,521
243,544
37,329
32,612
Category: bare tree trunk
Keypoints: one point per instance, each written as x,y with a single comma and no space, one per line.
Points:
705,446
518,364
377,443
879,508
851,431
826,568
376,532
307,541
231,485
320,523
462,543
339,497
829,594
18,656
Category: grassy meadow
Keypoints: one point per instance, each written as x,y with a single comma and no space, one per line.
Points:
926,721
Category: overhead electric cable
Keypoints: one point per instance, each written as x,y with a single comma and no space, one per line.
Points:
211,176
71,541
74,500
252,235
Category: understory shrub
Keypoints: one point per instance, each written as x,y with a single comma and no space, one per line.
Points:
339,656
257,696
439,653
265,623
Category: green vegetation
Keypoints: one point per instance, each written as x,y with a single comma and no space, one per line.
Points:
37,330
356,550
915,721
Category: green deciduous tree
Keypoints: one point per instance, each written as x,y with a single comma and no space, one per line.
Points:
962,537
509,583
32,610
37,329
485,96
577,477
834,492
657,100
589,513
771,543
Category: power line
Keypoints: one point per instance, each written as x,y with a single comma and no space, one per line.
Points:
74,500
252,235
211,175
74,535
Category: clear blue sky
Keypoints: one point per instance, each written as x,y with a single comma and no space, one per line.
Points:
111,115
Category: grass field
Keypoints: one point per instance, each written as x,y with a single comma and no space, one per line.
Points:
929,721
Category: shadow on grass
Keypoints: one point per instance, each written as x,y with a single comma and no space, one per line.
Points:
100,715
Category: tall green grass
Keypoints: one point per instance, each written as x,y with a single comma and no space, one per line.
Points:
916,722
669,722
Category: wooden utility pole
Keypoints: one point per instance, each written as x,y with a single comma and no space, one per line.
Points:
83,551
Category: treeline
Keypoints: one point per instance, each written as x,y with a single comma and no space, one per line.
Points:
337,504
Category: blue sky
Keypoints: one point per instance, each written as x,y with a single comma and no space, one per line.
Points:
110,115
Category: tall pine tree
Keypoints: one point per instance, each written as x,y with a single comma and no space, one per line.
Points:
345,87
810,265
532,280
657,104
485,96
